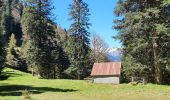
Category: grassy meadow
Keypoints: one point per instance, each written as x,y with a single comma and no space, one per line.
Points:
18,82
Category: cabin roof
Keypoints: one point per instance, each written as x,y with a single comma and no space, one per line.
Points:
108,68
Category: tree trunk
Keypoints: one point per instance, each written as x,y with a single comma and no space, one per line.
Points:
157,66
32,71
158,72
54,74
78,76
132,79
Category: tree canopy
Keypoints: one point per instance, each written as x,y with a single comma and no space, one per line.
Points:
144,32
78,43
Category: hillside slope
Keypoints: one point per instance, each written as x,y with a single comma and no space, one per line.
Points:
42,89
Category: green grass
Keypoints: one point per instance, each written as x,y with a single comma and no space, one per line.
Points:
43,89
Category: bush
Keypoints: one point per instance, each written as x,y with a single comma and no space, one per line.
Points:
135,83
26,95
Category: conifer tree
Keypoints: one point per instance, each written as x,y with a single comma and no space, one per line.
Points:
7,18
8,24
144,33
10,58
38,31
78,44
2,50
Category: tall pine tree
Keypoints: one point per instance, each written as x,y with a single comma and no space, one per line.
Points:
2,50
78,44
7,18
39,36
10,58
10,11
144,33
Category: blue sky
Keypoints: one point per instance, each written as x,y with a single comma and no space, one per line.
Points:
101,18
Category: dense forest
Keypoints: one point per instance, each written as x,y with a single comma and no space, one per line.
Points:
144,30
31,41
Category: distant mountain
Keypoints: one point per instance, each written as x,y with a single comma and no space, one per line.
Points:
114,54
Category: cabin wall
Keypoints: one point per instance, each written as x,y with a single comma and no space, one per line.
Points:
108,79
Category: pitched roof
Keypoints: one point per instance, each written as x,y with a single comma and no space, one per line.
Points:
109,68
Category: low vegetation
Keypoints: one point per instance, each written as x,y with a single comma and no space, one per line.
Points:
21,85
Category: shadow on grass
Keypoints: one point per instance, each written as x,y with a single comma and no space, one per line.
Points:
5,75
16,90
11,73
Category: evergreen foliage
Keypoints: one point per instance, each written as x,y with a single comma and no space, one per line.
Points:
40,46
2,52
11,10
144,33
11,51
2,40
78,42
42,54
